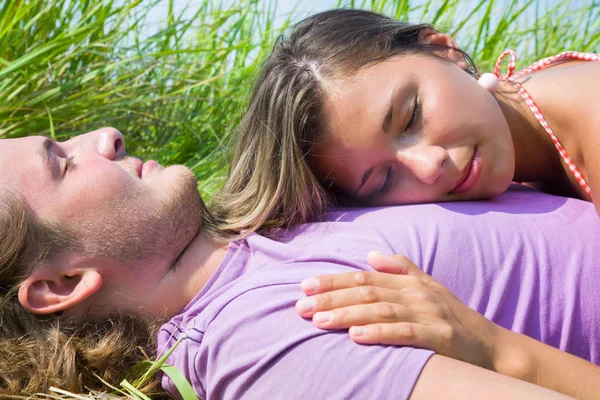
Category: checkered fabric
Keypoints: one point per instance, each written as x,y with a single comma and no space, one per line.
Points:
541,64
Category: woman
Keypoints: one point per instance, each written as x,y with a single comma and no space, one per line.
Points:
358,108
355,107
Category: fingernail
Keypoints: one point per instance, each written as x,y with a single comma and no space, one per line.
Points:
375,253
305,305
358,330
322,317
310,284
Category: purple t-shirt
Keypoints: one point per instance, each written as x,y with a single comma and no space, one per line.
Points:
525,260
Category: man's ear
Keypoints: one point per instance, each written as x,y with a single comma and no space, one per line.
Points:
434,38
48,290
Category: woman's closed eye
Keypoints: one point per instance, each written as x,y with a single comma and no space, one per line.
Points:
389,173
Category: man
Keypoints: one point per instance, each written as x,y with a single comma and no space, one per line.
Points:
139,245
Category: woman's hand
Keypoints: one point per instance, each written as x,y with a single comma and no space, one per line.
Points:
400,305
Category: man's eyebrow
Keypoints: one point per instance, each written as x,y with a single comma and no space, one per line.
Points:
390,112
45,153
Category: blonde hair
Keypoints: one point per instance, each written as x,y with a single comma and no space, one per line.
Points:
270,183
37,352
76,357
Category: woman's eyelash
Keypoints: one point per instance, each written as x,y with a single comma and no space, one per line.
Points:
387,183
415,114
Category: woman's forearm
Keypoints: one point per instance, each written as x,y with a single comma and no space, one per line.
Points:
524,358
405,306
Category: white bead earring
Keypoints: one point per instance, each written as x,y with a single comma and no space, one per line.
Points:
489,82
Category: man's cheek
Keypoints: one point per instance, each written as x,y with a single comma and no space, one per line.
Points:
98,199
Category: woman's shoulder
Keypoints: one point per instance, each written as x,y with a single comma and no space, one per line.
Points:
568,95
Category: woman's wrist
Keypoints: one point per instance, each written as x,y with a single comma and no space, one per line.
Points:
514,355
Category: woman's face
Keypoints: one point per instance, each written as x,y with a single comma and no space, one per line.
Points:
413,129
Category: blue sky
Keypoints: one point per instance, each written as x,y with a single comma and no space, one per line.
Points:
284,7
306,7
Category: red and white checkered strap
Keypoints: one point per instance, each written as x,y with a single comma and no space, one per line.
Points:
541,64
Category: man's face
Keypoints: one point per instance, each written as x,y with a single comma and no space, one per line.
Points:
135,217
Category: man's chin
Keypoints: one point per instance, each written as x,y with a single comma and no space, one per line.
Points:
185,207
176,172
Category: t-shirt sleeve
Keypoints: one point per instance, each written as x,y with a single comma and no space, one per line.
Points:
258,347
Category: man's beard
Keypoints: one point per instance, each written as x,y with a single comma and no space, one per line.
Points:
133,235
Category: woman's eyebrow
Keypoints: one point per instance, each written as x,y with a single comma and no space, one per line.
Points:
387,120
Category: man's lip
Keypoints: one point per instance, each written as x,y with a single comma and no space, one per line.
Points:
471,176
138,166
148,165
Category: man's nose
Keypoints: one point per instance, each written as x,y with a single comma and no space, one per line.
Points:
426,162
108,142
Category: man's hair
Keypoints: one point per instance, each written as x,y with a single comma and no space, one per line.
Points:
37,352
270,183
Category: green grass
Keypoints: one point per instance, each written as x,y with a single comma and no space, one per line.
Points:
177,88
67,67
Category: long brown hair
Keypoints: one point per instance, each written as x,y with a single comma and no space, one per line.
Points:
37,352
270,183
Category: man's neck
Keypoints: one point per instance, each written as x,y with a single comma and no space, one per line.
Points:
195,267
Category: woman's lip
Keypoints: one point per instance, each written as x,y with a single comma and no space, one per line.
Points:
148,165
472,176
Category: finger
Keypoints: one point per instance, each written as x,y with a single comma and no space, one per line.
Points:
397,264
393,264
307,306
327,283
398,334
363,314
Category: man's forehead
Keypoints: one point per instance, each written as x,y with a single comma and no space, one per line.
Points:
22,167
17,155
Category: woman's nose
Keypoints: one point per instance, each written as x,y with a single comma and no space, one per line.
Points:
424,161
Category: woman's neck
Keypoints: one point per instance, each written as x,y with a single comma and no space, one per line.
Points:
536,157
